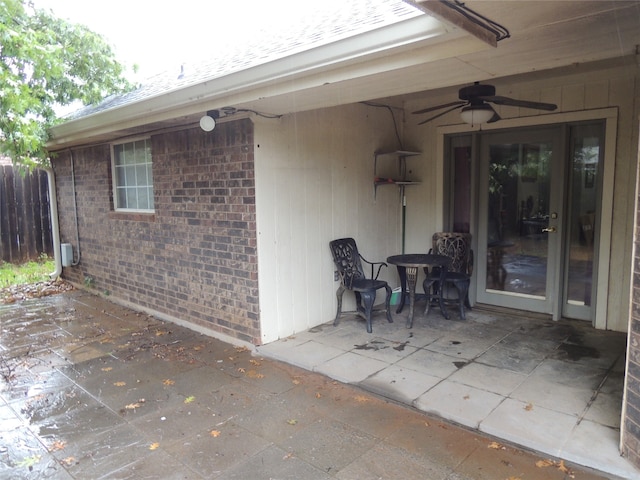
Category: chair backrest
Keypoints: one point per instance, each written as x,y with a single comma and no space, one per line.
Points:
586,224
456,246
347,260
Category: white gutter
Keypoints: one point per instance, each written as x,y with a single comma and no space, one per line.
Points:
55,226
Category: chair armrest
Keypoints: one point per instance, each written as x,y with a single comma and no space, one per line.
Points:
380,265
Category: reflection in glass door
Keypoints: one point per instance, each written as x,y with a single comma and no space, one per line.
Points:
519,223
586,161
536,223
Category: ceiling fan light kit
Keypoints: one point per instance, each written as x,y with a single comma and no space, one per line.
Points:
476,110
477,114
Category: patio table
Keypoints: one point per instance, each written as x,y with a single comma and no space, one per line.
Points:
408,265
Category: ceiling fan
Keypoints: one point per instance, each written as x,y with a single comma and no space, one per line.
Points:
475,107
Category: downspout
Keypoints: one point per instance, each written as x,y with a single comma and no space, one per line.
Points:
55,227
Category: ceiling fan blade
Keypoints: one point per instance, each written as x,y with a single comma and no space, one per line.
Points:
431,109
495,118
498,100
441,114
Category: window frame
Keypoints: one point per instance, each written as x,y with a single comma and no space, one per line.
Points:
116,186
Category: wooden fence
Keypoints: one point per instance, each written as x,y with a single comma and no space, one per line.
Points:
25,219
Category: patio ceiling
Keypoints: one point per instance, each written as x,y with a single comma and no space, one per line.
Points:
415,55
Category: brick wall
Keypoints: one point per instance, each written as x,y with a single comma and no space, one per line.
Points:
631,436
195,258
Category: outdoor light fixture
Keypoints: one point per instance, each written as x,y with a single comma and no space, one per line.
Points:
208,121
477,114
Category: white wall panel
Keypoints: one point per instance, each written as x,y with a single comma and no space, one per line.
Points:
314,183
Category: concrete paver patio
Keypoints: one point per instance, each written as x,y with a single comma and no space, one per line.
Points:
90,389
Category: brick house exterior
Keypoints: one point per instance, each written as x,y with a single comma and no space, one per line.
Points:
631,406
195,257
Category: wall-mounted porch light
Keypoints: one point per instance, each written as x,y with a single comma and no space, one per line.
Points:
208,121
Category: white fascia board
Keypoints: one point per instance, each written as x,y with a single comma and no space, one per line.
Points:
311,65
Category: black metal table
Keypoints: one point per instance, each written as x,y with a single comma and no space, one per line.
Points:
408,265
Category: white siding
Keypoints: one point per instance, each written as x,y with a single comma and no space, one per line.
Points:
314,183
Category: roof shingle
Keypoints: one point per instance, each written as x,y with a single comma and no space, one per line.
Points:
329,22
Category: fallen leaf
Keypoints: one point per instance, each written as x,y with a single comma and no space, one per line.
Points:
29,461
564,469
241,349
197,348
255,363
296,381
496,446
544,463
241,370
189,399
427,424
292,421
466,397
154,446
132,406
528,407
119,384
168,382
318,395
57,446
161,333
254,374
215,433
288,456
67,462
107,369
361,398
514,478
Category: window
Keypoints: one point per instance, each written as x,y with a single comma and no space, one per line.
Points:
132,174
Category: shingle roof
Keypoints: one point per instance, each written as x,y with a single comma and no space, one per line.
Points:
330,22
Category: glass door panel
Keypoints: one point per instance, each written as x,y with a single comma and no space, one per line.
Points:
519,217
585,153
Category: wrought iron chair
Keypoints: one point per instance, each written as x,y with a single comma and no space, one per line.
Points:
456,246
349,264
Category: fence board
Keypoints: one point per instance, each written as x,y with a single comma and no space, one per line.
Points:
25,223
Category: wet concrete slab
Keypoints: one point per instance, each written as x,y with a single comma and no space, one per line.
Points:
92,390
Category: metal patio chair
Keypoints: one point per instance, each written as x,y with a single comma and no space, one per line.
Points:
348,261
456,246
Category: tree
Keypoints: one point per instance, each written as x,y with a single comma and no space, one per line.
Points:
44,62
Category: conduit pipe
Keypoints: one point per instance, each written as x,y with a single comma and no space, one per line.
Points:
55,227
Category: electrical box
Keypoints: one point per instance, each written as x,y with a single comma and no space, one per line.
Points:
66,253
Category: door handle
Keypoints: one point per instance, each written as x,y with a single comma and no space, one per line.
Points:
549,230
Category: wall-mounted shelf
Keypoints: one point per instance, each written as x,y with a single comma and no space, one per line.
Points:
401,180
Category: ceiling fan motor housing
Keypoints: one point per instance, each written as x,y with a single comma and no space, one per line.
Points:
472,92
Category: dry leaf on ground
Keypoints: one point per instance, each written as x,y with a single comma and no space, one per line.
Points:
57,446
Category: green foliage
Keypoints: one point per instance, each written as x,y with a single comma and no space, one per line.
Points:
46,61
30,272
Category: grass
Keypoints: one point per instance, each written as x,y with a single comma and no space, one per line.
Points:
30,272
